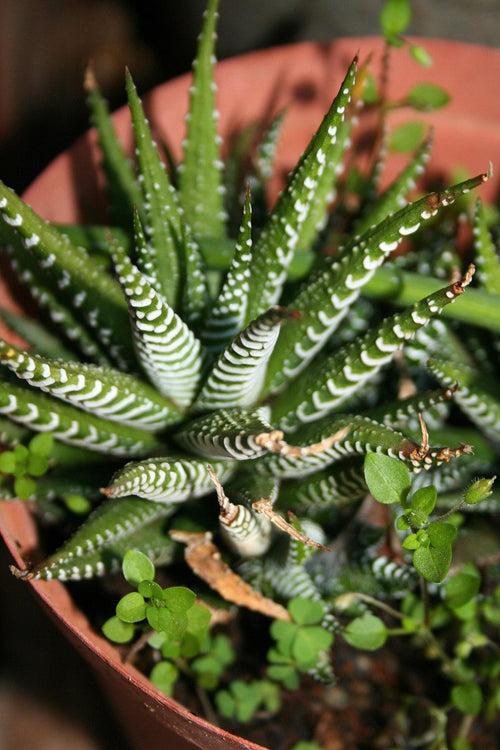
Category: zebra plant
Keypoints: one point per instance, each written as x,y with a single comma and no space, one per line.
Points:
181,360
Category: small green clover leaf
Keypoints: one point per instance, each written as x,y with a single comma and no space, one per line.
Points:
426,97
210,667
24,464
424,500
308,643
24,487
118,631
306,611
77,504
395,18
150,589
41,444
433,563
179,598
300,642
286,674
468,698
441,534
137,567
407,137
388,479
222,649
131,608
366,632
7,462
174,624
243,699
420,55
462,587
164,675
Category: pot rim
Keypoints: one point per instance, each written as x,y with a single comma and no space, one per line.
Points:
15,515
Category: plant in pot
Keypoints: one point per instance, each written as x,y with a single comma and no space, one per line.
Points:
258,425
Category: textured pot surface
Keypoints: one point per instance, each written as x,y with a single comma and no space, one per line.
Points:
304,77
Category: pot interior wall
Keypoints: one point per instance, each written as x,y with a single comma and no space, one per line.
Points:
304,77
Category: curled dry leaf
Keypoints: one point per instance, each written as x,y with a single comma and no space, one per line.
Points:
274,443
265,506
204,559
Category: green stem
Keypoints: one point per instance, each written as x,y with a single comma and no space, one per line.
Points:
455,509
425,601
465,727
403,288
377,603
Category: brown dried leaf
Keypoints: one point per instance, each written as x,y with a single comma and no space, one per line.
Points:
205,560
265,506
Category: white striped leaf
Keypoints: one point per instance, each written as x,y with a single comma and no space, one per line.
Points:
237,376
228,314
166,348
101,391
200,174
42,413
167,480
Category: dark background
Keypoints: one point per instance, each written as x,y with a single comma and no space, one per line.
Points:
45,45
48,700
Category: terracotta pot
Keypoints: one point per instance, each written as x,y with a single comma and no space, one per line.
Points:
303,76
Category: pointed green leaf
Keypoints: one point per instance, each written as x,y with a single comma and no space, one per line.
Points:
267,147
228,314
166,348
36,335
325,299
167,480
394,197
402,413
60,315
282,234
122,188
476,397
201,187
237,376
194,298
70,425
94,295
325,191
331,379
160,205
486,254
100,391
339,486
100,544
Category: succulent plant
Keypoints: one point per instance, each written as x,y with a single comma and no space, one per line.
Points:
183,359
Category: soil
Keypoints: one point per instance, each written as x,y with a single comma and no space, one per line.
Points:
379,699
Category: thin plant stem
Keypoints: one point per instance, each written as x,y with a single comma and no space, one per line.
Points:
138,646
425,601
380,605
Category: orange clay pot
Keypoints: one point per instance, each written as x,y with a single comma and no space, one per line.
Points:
303,77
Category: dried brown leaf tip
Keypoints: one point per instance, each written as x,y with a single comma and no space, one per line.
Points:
265,506
423,453
204,559
274,442
459,286
227,510
21,575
